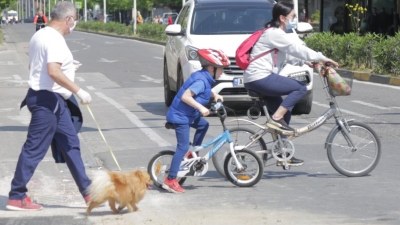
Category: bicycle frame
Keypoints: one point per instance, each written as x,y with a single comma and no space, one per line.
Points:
333,111
187,165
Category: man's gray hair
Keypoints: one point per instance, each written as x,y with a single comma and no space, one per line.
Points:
62,10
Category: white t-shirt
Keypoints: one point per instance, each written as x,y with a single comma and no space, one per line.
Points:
276,38
48,45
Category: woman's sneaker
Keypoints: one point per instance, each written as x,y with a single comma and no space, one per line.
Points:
23,205
280,123
172,186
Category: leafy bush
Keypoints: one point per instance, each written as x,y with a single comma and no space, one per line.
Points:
386,54
370,51
149,31
153,31
315,16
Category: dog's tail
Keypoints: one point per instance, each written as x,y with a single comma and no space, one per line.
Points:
101,185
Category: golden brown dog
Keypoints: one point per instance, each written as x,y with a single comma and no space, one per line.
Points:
127,189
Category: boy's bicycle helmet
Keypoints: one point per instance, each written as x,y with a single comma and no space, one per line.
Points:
213,57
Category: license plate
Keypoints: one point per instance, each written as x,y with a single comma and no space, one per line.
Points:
237,82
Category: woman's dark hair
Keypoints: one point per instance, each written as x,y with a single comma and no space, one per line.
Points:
280,8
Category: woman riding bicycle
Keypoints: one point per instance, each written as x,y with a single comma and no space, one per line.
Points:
188,102
262,75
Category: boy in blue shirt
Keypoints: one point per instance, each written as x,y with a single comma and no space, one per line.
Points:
187,106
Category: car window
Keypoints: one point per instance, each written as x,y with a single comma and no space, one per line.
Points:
182,15
230,19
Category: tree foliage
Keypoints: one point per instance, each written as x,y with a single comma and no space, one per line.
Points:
5,3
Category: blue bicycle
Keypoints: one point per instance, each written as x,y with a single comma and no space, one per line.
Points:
242,167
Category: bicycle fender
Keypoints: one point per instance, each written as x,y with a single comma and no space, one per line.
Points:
330,135
167,151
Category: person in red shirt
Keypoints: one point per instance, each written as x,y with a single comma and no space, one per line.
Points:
40,20
169,20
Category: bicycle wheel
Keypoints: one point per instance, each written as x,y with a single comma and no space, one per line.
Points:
158,168
240,136
358,162
253,168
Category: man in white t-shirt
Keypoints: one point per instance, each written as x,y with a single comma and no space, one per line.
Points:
51,82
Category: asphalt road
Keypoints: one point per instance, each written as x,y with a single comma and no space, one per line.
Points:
124,78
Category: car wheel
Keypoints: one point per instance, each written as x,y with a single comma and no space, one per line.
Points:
304,105
180,80
168,94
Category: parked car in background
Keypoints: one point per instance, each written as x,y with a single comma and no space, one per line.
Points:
223,25
110,18
165,18
28,20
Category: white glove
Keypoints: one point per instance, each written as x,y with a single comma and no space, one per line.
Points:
77,64
84,96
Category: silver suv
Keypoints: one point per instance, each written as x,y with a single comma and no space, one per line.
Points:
224,25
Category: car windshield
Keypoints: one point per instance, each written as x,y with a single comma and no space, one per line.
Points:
230,19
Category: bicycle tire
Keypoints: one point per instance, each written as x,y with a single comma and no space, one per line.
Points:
244,178
218,158
368,148
158,168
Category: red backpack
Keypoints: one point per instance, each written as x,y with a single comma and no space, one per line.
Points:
243,51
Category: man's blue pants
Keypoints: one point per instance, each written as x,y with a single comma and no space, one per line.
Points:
50,119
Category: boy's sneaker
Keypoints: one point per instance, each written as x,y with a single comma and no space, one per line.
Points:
291,162
87,199
172,186
23,205
189,154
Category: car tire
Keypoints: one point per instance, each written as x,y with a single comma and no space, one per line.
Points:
304,105
168,94
180,79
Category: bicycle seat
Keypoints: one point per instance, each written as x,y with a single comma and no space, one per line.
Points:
169,125
254,94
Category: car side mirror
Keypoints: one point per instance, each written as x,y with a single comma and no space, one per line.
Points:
303,28
174,30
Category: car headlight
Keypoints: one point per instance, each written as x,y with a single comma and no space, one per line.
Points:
299,76
191,53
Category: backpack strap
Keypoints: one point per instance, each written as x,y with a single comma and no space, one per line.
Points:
275,50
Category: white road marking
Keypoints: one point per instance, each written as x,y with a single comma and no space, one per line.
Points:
17,77
80,79
74,50
150,79
106,60
158,57
343,110
6,109
91,88
371,105
135,120
111,42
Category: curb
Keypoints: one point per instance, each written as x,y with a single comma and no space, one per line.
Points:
126,37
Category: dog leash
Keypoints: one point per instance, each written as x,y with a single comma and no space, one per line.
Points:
101,133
